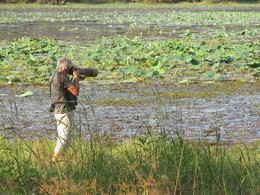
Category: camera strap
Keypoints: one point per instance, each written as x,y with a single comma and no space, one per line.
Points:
51,81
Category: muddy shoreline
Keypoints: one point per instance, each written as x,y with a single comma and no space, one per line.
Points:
227,111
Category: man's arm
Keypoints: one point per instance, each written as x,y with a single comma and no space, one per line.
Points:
74,89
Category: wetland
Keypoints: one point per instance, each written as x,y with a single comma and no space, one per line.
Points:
182,70
227,113
174,110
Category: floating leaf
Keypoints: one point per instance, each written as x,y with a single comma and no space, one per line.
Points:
212,75
149,72
255,64
159,70
131,70
156,63
215,57
26,94
31,61
239,65
202,52
62,29
185,58
195,62
195,66
184,81
216,65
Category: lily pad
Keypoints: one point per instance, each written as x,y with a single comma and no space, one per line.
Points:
26,94
212,75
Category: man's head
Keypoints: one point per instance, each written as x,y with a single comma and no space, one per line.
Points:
64,64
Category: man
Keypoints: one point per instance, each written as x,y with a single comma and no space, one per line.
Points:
64,100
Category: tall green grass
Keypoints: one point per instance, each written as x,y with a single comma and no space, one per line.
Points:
148,164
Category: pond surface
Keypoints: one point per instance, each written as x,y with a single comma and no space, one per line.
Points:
201,112
87,25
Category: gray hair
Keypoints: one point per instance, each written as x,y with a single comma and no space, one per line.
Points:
64,63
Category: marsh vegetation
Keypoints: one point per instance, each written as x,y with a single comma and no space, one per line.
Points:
175,109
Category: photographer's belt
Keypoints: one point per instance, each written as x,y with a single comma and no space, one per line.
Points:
60,102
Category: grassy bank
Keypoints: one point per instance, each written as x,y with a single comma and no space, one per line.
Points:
146,165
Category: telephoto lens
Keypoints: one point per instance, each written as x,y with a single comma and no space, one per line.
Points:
88,72
85,72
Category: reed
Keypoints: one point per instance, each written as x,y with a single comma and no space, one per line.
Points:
150,164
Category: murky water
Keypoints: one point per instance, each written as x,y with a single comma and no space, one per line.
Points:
86,25
202,112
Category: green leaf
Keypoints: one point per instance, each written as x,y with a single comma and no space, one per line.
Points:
215,57
212,75
255,64
149,72
135,48
185,58
184,81
159,70
239,66
31,61
195,62
132,70
26,94
202,53
156,63
62,29
195,66
216,65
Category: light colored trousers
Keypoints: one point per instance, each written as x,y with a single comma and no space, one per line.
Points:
65,125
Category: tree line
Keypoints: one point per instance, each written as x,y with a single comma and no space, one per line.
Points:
109,1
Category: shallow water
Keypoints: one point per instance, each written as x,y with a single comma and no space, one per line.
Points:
87,25
203,112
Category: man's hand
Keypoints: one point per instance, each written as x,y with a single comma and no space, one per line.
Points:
76,73
82,77
74,89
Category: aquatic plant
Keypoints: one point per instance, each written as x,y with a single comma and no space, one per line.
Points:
33,60
183,42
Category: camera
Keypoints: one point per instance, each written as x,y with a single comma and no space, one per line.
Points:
84,72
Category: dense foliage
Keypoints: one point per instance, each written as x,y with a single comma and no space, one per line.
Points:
33,60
